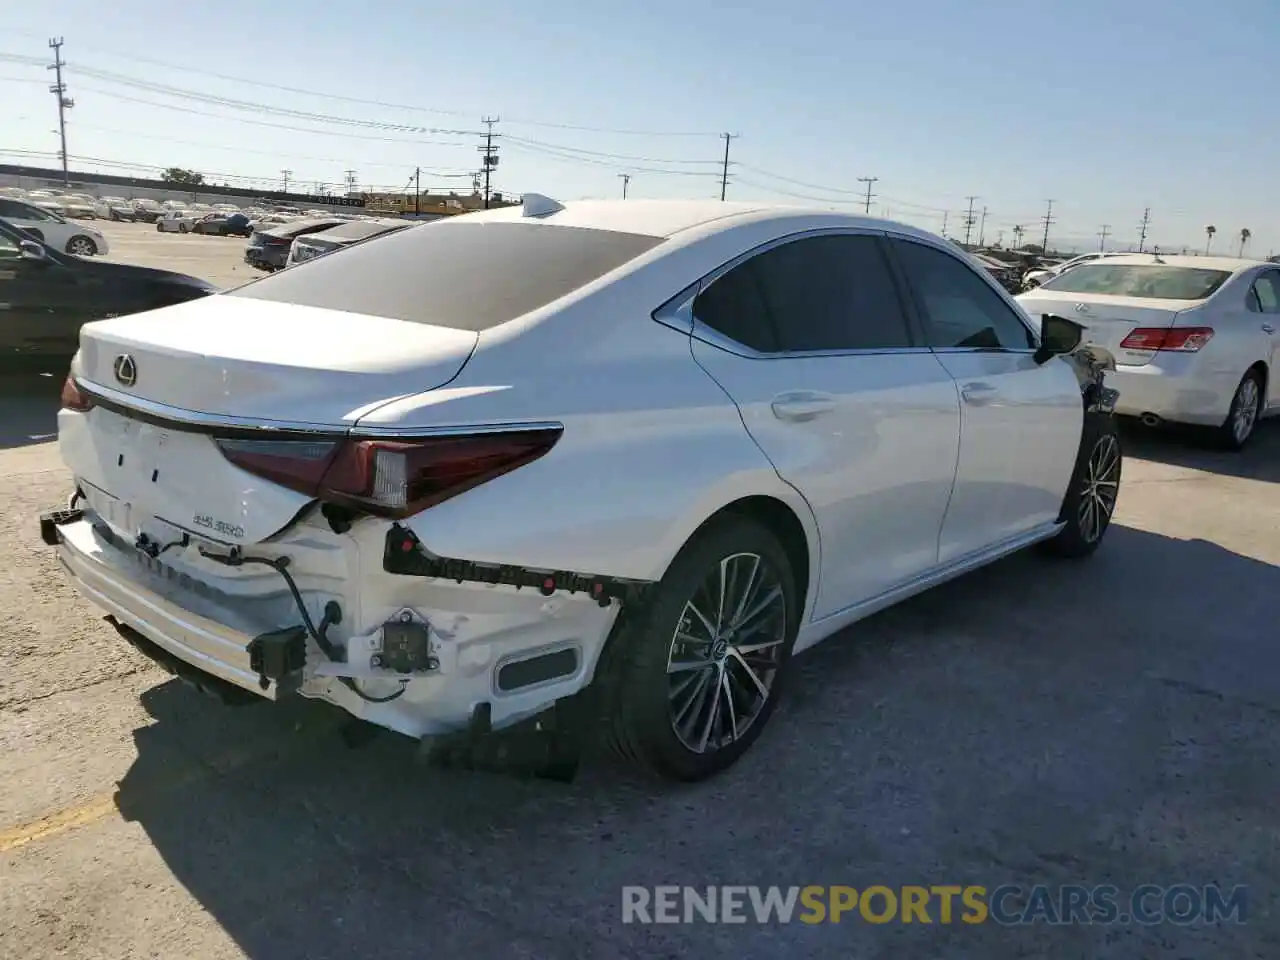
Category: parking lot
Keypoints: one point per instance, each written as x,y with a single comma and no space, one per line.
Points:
1038,722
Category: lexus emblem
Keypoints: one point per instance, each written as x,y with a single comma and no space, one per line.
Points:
1082,308
126,370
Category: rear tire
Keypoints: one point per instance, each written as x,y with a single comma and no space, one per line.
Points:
1242,418
689,680
1095,487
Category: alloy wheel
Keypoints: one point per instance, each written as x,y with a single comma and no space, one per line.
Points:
1246,410
81,247
1099,488
726,652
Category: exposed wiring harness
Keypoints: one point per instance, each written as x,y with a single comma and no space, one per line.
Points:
332,615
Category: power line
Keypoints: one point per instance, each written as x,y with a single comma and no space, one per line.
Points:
1142,227
598,153
868,181
572,158
724,171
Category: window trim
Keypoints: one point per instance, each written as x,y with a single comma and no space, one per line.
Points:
677,312
923,316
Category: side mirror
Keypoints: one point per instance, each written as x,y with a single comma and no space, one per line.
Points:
1058,336
31,250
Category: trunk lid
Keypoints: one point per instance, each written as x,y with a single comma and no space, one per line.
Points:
264,360
1107,319
160,473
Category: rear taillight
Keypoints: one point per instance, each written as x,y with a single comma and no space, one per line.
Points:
395,478
73,398
1183,339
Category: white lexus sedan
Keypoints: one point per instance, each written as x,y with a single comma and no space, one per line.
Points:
1194,338
620,457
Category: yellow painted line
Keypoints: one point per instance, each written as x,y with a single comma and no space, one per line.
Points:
104,804
99,808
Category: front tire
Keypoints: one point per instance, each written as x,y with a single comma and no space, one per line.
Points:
1095,486
1242,418
183,228
81,246
691,678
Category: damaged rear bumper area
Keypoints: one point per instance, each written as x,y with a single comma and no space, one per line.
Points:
428,647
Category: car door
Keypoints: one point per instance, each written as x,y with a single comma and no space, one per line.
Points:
1020,421
1264,306
810,339
41,305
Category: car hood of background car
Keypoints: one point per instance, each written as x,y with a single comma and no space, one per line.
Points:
288,231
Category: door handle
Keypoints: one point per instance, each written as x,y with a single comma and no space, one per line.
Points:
1268,328
802,405
978,393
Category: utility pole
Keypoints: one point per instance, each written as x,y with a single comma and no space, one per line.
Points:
1048,219
868,181
417,190
284,180
1102,237
1142,235
969,220
626,180
724,169
59,90
944,224
982,228
350,180
490,156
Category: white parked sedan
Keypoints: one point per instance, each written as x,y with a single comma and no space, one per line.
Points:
598,456
48,227
1195,338
177,221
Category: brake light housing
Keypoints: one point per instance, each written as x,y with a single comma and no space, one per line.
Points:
73,398
394,478
1177,339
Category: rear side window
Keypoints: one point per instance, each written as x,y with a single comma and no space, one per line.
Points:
1267,290
960,307
830,292
468,276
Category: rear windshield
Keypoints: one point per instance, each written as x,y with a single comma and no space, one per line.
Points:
1153,281
469,276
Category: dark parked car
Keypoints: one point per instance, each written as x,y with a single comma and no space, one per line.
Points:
269,249
47,296
223,225
343,235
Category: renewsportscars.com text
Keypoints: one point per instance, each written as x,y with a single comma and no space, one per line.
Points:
1008,905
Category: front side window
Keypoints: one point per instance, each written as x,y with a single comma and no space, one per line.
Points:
960,307
830,292
1152,281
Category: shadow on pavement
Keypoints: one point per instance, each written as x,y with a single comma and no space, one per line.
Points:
1110,721
29,408
1192,448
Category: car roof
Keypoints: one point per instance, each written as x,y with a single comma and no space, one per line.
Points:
667,218
1229,264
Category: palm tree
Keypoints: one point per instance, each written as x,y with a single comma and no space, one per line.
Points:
1245,234
1209,231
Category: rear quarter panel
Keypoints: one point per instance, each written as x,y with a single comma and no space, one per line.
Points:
651,448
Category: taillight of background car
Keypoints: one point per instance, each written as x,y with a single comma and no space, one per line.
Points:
1181,339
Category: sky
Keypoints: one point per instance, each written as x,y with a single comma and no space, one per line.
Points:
1107,107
